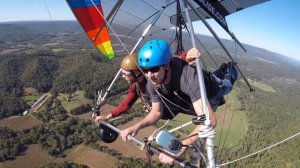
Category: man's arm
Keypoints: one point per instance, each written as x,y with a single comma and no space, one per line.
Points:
131,97
129,100
154,115
199,110
192,137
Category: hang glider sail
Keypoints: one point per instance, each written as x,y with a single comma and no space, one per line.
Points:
90,16
133,17
219,9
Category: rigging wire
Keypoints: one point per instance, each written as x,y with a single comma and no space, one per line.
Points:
48,10
227,133
173,37
52,22
224,116
173,114
135,28
269,147
126,11
230,124
149,26
206,50
148,19
115,13
140,24
187,29
157,9
109,25
178,29
233,110
144,75
135,62
143,20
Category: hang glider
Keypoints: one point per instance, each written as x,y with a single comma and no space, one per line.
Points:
122,21
219,9
90,16
133,17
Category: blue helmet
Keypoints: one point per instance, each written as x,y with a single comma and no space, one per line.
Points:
154,53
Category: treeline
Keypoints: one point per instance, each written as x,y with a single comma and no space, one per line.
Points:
20,71
55,138
10,146
56,73
53,111
81,109
64,165
88,72
77,66
10,105
137,163
127,162
53,135
27,70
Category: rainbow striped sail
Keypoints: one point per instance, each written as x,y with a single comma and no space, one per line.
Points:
88,15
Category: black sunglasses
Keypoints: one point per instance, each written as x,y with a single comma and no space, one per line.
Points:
152,70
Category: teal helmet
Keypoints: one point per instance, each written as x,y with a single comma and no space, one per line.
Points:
154,53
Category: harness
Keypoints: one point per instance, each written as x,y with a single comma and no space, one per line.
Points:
175,94
145,97
211,84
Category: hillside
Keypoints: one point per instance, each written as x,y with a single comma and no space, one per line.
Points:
57,57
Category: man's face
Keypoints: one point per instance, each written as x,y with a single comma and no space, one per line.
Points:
128,76
156,74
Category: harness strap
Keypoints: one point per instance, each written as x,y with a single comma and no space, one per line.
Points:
144,97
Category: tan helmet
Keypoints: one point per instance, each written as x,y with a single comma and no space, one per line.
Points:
129,62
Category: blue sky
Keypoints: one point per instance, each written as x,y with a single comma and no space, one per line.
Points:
274,25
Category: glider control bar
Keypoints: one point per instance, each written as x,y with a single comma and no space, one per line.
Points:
141,145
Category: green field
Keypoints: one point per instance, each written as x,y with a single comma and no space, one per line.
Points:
262,86
30,99
230,119
51,44
59,49
232,123
77,100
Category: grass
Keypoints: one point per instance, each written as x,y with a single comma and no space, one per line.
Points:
262,86
30,99
78,99
59,49
85,155
234,123
34,156
51,44
19,123
182,119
